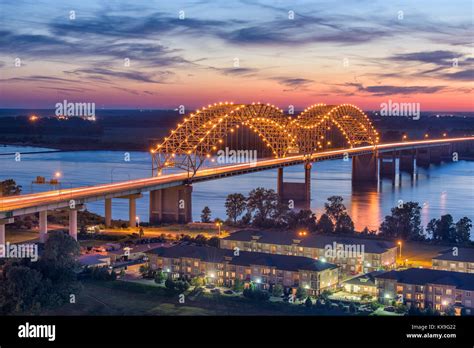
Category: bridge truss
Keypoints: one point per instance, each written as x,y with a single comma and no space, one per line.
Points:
202,133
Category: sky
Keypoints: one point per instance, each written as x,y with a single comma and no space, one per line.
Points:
162,54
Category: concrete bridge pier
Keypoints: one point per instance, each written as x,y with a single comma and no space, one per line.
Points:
43,226
365,168
423,158
108,212
407,162
73,223
132,209
3,222
435,154
299,193
173,204
388,166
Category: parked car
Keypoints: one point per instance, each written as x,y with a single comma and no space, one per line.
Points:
389,309
215,291
228,292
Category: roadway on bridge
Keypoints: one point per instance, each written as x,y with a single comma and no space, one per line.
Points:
11,204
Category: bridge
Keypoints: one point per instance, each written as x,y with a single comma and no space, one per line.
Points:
286,141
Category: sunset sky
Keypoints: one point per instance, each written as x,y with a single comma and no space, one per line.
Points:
360,52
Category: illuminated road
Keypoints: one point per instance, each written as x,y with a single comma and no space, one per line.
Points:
30,203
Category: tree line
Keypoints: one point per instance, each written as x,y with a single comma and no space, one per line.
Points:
263,208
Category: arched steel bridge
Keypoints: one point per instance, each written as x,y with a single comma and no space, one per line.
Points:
199,135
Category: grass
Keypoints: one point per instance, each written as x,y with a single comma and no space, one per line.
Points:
127,298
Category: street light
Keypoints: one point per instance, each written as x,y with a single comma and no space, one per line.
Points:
57,175
400,245
219,224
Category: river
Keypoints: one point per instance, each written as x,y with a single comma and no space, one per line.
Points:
440,189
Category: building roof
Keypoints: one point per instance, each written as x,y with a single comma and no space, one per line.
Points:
462,255
423,276
312,240
367,279
136,248
245,258
93,259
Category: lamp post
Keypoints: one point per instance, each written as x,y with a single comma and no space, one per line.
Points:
400,245
219,224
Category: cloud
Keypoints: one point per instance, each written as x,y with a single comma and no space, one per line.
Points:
463,75
293,82
156,77
433,57
391,90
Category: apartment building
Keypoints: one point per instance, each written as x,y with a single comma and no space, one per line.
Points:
425,288
364,284
354,255
455,259
223,267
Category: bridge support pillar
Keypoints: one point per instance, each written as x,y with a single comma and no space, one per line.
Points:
43,226
435,154
407,162
299,193
365,168
108,212
173,204
3,222
388,166
2,234
132,212
73,223
423,158
280,182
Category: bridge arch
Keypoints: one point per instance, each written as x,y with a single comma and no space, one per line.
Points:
201,133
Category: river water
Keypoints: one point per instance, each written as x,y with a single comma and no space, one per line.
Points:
440,189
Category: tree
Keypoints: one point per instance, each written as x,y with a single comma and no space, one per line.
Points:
302,219
277,290
335,207
21,290
325,225
301,293
308,303
442,229
206,214
344,224
263,204
9,188
238,285
27,286
463,228
235,205
404,222
159,277
198,281
170,285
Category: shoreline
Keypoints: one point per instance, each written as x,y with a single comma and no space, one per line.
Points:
76,147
